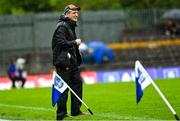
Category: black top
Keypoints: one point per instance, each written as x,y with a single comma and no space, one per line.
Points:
63,44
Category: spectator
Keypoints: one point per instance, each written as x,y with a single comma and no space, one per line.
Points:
170,29
15,75
20,63
177,29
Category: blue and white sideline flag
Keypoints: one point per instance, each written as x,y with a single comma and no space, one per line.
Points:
142,80
58,87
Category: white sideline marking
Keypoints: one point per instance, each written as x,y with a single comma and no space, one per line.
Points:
27,107
118,117
4,120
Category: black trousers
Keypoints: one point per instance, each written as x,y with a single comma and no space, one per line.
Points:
73,79
14,79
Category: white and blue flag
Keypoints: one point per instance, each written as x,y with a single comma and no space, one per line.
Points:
58,87
142,80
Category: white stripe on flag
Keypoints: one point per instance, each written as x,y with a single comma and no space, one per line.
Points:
142,75
58,83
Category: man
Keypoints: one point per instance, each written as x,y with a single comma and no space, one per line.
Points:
66,59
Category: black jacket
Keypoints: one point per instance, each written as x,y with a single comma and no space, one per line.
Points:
65,51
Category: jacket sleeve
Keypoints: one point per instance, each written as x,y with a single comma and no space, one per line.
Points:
60,38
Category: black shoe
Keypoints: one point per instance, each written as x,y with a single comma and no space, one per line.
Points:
62,117
80,114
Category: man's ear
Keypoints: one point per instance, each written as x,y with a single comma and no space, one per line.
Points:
65,15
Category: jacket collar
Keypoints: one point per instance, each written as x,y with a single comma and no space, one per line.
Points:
66,19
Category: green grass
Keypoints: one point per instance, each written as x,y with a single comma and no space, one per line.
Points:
108,101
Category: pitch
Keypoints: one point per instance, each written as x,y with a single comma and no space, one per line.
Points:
108,101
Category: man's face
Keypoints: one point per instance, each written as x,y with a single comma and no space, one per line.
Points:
73,15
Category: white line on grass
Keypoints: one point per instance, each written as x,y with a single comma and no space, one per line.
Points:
4,119
118,117
26,107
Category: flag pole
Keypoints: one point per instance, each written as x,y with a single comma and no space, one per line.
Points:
80,100
163,97
77,96
165,100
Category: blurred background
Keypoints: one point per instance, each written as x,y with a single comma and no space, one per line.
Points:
147,30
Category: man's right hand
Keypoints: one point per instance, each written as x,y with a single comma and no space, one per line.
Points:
78,41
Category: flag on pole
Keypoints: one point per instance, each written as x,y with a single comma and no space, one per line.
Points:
142,80
58,87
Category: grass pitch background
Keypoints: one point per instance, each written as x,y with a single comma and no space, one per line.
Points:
108,101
